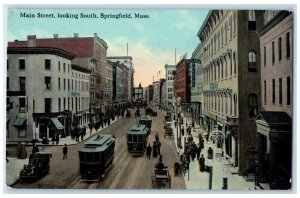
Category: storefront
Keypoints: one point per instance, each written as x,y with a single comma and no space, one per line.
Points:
274,149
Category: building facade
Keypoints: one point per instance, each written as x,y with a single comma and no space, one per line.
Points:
196,85
231,81
170,69
45,109
274,123
156,94
87,49
127,61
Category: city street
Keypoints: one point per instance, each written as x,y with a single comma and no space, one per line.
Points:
127,172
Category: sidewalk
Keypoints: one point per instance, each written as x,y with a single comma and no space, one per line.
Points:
196,180
14,166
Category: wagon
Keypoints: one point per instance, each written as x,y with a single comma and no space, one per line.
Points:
169,132
161,176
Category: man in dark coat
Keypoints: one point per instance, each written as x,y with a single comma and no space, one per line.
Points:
65,152
148,151
202,163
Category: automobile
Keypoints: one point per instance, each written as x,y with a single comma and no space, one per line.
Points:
169,132
37,167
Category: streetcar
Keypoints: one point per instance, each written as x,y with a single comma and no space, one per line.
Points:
96,157
146,120
137,138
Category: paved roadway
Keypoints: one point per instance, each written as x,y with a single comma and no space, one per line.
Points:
127,172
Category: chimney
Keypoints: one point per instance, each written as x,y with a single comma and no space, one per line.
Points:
76,35
31,41
55,36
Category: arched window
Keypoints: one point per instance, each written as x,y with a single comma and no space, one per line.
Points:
252,105
251,20
251,61
234,63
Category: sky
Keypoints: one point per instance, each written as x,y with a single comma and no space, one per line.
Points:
151,41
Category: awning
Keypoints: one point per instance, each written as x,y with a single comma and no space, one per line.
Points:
57,124
19,122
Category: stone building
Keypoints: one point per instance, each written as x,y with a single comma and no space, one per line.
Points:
46,94
196,85
274,123
90,52
231,81
156,94
170,69
127,61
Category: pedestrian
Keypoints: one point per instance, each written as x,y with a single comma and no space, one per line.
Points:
53,139
35,149
154,149
148,151
202,163
65,152
198,151
158,145
157,137
57,139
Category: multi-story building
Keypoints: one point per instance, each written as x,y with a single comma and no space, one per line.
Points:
90,52
231,81
162,92
109,85
182,90
46,94
196,85
170,69
274,123
156,88
138,93
127,61
117,83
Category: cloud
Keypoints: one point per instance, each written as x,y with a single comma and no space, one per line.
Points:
22,34
147,62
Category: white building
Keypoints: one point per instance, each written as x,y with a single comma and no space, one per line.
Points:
45,93
156,94
169,85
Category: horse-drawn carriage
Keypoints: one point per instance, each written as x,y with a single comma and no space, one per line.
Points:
161,175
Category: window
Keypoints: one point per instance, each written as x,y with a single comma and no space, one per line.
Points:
279,49
64,67
265,92
280,90
68,84
47,105
265,56
22,64
288,47
7,83
251,20
273,91
288,91
59,104
64,84
234,63
58,83
59,66
64,103
22,83
68,68
251,62
273,53
47,82
252,102
22,104
47,64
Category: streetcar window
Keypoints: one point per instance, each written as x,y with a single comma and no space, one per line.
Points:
89,157
134,138
96,157
140,138
129,136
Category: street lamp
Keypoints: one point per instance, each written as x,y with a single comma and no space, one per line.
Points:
211,167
